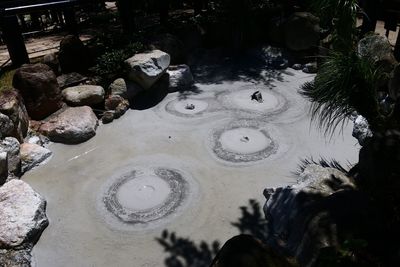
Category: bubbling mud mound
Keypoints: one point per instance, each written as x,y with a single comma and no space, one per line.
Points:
187,107
267,102
145,195
243,141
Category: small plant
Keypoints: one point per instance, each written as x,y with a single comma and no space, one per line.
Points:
111,62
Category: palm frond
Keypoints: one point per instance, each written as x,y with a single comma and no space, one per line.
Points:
323,162
345,83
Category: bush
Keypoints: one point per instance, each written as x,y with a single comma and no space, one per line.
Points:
111,63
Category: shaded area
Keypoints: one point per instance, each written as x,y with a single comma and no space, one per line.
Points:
215,66
184,252
252,221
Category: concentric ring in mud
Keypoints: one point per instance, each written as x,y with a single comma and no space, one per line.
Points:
146,195
186,107
271,102
243,141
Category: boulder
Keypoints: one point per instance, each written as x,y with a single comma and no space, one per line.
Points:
10,145
51,60
317,212
147,68
73,55
108,116
38,86
119,87
16,257
3,167
83,95
12,106
377,48
70,79
171,45
6,126
22,213
302,31
180,77
120,110
310,68
32,155
71,126
113,101
361,130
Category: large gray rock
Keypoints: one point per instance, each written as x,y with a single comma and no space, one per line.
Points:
312,214
32,155
146,68
302,31
180,76
83,95
10,145
22,213
3,167
72,125
12,106
38,86
361,130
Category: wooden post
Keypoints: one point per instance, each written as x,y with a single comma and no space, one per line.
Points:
70,20
12,35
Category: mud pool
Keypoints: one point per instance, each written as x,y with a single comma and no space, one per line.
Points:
186,165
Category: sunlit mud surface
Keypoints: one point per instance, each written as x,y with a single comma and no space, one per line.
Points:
186,165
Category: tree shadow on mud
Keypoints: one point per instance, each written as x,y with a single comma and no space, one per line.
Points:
184,252
215,68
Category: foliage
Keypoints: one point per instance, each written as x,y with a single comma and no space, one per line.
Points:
339,17
345,83
6,81
112,62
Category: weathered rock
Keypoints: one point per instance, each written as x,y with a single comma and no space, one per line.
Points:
10,145
314,213
119,87
3,167
51,60
11,105
6,126
310,68
297,66
172,45
23,213
39,89
113,101
377,48
180,77
72,125
20,257
120,110
361,130
302,31
33,155
73,55
108,116
83,95
147,68
70,79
